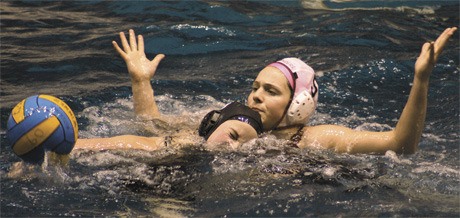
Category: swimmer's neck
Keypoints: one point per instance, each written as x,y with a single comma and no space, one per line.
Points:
286,132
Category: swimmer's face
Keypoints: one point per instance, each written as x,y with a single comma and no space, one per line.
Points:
269,96
233,132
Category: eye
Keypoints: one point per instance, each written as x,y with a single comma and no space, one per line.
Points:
234,135
272,91
254,88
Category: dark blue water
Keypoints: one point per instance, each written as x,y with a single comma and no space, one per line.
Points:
363,53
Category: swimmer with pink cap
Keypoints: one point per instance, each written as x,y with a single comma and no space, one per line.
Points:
290,103
304,91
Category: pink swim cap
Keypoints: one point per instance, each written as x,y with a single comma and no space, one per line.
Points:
301,78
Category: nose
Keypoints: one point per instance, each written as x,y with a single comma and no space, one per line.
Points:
257,96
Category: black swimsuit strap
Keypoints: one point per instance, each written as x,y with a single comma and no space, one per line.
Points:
295,139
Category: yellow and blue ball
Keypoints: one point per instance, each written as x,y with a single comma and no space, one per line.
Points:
41,123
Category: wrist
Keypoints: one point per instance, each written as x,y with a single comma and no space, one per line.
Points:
421,80
140,81
423,74
139,77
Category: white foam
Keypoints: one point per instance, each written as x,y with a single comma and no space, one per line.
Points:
437,168
204,28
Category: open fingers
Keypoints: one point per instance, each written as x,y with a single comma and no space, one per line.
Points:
441,41
124,42
132,40
140,40
119,50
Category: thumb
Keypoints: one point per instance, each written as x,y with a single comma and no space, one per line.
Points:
158,59
426,48
427,51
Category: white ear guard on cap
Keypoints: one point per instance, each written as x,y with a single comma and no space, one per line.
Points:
301,109
301,78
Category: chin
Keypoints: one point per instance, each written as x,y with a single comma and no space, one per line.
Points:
267,127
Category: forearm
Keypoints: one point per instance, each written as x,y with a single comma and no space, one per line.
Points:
410,126
121,142
145,106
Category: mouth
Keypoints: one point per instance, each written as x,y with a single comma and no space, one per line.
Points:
257,109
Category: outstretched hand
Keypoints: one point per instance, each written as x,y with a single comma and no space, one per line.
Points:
430,54
139,67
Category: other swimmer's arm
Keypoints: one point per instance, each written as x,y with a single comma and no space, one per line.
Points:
121,142
141,70
406,136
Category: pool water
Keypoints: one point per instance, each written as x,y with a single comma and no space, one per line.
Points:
363,53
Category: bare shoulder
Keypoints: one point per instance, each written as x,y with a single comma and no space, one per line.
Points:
322,136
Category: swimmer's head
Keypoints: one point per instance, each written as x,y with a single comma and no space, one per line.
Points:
284,93
231,133
233,111
304,90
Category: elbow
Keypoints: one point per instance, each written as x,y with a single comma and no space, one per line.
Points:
404,145
409,148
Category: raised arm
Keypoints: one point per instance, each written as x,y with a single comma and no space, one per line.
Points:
406,136
410,126
141,70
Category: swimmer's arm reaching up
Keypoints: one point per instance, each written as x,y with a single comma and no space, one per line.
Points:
410,126
406,136
141,70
